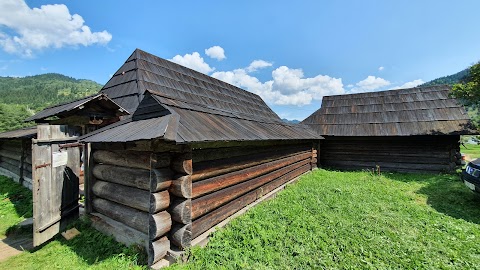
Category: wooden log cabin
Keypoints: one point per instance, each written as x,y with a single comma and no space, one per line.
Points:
16,155
405,130
194,151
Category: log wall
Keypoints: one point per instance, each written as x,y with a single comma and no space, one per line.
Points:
16,160
225,180
428,154
132,187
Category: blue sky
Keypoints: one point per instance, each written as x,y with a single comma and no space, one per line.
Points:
289,52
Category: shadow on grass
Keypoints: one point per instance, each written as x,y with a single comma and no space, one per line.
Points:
446,193
94,247
17,195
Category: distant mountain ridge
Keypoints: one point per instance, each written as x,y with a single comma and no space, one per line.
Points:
40,91
450,79
21,97
290,121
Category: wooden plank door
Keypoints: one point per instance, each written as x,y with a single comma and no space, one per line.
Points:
55,173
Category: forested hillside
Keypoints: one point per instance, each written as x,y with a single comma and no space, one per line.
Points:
22,97
450,80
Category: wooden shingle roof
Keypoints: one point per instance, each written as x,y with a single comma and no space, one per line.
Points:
73,107
143,71
187,106
404,112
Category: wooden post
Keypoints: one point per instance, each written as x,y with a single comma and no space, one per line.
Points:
89,178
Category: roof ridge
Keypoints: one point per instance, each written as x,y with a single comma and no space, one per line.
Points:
446,87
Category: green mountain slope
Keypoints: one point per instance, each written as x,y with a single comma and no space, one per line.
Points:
450,80
40,91
22,97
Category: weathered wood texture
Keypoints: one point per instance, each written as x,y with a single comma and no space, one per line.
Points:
206,186
16,160
225,184
132,197
181,235
213,200
158,249
56,173
152,180
437,153
181,210
132,159
132,187
131,217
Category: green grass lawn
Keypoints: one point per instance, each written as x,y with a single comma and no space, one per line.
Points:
472,151
351,220
15,204
328,219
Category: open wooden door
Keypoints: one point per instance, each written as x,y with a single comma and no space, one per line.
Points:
55,172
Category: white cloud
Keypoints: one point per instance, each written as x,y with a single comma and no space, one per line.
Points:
50,26
381,68
216,52
350,86
411,84
287,87
193,61
371,83
258,64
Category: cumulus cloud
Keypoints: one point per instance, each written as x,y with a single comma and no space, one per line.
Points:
216,52
193,61
371,83
381,68
411,84
258,64
287,87
50,26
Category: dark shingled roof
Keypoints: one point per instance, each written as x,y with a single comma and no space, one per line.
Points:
72,106
403,112
182,105
22,133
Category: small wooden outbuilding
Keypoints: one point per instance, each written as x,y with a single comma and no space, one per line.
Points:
195,151
405,130
16,155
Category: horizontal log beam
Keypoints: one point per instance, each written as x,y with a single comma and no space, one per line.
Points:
132,197
181,235
183,163
133,218
181,210
395,158
132,159
211,219
209,185
245,144
182,186
159,224
209,169
17,155
202,155
157,250
207,203
138,178
16,163
386,165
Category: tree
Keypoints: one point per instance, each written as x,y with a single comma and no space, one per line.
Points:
469,90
